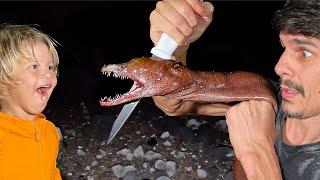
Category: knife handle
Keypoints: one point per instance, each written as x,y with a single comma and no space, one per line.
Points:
165,47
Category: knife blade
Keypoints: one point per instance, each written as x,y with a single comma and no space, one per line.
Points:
162,51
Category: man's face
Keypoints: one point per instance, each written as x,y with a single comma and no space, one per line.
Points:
299,71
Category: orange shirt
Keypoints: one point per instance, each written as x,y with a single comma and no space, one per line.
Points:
28,149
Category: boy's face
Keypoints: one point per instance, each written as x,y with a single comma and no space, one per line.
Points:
299,71
38,79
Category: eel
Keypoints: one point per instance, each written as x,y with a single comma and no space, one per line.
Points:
172,79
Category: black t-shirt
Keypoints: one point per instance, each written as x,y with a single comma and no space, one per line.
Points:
296,162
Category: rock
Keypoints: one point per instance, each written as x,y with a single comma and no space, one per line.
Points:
102,152
71,132
167,143
150,155
159,173
131,175
126,152
94,163
120,171
171,168
90,178
163,178
189,168
145,165
161,165
98,156
129,156
138,152
181,155
201,173
193,124
80,152
165,135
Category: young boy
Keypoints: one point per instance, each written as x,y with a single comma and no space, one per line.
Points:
28,74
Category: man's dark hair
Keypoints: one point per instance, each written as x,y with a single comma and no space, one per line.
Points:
299,17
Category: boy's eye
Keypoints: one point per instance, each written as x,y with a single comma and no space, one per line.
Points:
33,66
306,53
51,68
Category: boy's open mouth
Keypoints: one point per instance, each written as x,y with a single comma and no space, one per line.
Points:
42,90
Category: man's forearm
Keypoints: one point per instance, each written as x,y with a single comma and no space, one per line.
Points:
174,107
262,163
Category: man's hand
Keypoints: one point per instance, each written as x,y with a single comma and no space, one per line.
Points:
183,20
252,132
174,107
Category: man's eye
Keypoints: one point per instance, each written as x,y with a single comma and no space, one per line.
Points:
306,53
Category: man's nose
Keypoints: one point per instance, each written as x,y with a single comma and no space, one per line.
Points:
283,67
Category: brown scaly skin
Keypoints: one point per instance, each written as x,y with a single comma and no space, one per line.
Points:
171,79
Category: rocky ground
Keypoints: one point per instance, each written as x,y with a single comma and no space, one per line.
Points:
150,145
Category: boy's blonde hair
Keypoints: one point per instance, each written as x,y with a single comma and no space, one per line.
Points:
14,39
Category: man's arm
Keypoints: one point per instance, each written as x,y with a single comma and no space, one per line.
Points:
184,21
174,107
252,133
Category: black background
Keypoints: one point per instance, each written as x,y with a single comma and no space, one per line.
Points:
101,32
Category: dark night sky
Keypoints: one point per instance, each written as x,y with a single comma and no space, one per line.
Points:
103,32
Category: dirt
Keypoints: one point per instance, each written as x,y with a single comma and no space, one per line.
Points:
85,153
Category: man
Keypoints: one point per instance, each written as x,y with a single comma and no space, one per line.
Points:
269,145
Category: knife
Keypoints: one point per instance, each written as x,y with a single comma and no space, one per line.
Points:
162,51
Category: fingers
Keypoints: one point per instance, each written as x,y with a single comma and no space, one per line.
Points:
160,24
204,9
185,11
183,20
176,18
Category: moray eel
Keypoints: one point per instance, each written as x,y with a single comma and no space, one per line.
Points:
171,79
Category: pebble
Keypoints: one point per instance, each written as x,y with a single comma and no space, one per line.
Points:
138,152
181,155
87,168
124,151
160,164
120,171
171,168
80,152
188,168
163,178
102,152
167,143
131,175
165,135
94,163
201,173
193,124
150,155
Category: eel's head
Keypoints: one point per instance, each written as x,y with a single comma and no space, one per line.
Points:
151,77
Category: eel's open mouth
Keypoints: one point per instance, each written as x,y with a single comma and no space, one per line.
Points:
133,93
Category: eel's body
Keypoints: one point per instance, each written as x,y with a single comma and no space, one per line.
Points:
171,79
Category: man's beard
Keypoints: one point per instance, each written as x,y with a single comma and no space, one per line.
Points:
292,114
299,88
